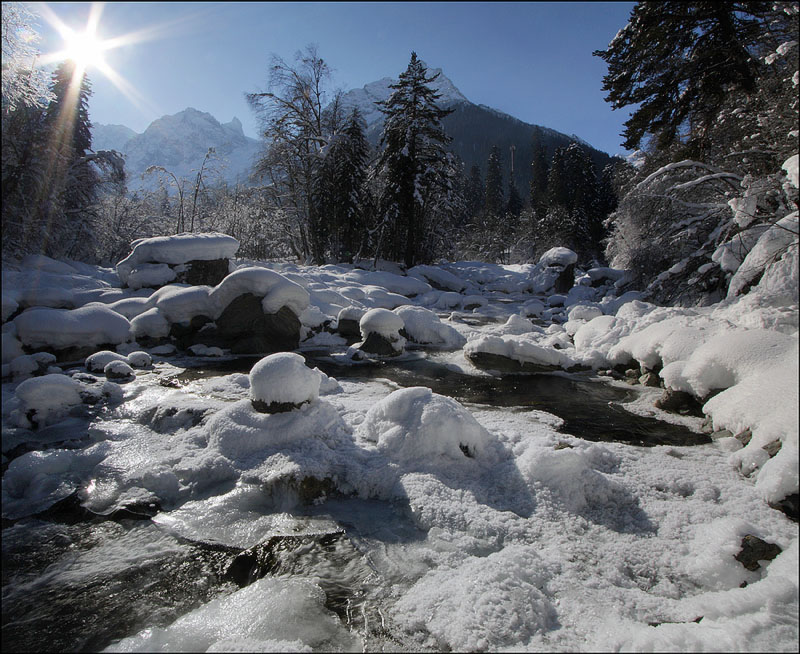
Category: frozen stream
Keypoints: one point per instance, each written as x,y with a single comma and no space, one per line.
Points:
561,544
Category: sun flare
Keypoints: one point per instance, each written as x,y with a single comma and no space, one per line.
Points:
85,49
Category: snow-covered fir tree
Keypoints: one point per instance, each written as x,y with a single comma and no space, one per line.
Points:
413,164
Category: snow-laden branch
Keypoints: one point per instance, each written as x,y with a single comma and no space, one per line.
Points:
686,163
706,178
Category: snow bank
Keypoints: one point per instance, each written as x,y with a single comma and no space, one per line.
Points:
407,286
178,249
519,349
438,277
63,328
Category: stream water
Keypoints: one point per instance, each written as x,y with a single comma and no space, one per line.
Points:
73,581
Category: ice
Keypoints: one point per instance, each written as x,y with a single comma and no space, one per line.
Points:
269,615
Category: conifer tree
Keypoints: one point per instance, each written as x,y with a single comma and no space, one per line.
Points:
539,172
413,162
493,203
514,204
340,190
677,61
475,192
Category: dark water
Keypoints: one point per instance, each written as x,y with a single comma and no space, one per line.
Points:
590,409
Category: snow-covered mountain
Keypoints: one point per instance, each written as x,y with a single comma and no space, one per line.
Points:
474,128
111,137
366,97
179,143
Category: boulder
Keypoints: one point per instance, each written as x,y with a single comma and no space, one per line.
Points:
243,328
199,272
376,343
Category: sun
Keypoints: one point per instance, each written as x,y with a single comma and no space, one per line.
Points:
85,49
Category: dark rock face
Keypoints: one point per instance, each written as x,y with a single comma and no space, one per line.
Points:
198,272
790,505
349,329
243,328
679,402
275,407
377,344
754,550
565,280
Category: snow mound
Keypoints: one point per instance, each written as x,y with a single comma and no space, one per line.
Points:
277,291
45,400
63,328
178,249
423,326
99,360
415,425
558,257
382,322
240,433
284,378
485,604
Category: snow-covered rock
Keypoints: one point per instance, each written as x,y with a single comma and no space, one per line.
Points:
64,328
283,379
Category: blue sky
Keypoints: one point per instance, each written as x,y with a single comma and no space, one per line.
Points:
532,60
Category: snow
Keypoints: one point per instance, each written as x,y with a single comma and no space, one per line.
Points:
468,526
773,242
424,326
44,400
99,360
62,328
284,378
558,257
174,250
791,167
277,291
416,427
383,322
